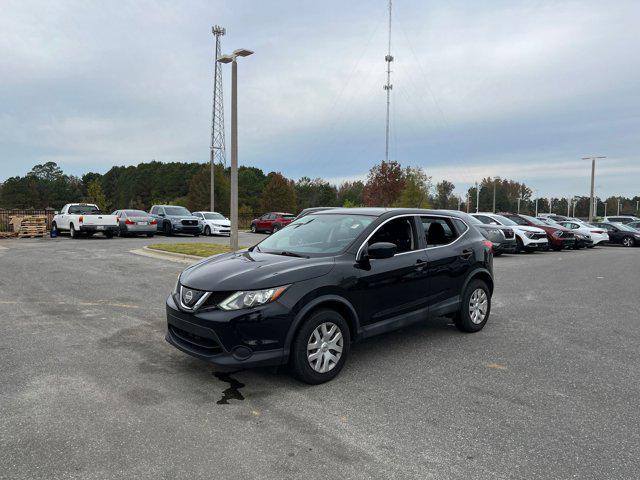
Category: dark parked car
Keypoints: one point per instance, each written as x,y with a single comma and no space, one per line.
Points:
175,219
304,294
620,233
582,240
271,222
502,238
559,237
136,222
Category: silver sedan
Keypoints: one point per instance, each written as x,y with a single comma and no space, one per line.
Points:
136,222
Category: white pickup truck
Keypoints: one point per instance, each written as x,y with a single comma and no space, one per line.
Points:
84,218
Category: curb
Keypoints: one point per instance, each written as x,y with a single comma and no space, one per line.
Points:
172,257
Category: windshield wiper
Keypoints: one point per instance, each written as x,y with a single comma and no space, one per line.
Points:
291,254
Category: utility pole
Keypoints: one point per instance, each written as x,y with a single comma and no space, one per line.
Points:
574,207
593,179
477,198
217,147
388,87
605,209
468,200
494,195
234,139
618,206
550,202
536,206
519,198
568,206
459,202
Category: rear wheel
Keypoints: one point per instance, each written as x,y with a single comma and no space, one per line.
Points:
275,228
167,229
475,308
73,233
253,228
108,234
320,347
628,241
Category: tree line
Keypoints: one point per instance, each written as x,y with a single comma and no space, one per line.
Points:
388,184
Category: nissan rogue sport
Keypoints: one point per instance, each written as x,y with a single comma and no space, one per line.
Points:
301,296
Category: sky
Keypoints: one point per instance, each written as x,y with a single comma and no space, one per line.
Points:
517,89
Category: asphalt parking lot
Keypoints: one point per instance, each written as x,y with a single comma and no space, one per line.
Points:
90,389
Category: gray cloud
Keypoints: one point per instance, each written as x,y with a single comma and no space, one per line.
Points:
516,89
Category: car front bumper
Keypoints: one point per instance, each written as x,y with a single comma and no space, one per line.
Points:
177,228
230,340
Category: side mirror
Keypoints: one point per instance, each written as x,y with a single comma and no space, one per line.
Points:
381,250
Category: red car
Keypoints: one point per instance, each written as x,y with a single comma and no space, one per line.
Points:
559,237
271,222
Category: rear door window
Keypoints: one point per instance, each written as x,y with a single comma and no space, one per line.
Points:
439,230
399,231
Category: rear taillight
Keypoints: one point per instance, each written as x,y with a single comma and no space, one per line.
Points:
81,219
488,244
128,221
153,222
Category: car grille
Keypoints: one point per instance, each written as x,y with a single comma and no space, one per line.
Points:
508,233
214,299
566,234
190,223
206,346
538,236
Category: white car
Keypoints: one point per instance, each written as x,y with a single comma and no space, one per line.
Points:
528,238
621,219
84,219
214,223
597,234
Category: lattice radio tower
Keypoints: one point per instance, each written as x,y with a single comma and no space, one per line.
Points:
388,87
217,117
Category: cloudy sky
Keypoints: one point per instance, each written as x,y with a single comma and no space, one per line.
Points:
520,89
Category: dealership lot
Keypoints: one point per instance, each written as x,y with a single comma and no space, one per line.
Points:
90,389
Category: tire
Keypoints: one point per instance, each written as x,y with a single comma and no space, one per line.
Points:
307,370
253,229
73,233
628,242
108,234
519,245
54,228
275,228
556,249
463,319
166,228
207,231
149,235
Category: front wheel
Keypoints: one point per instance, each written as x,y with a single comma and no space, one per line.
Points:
167,229
108,234
253,228
275,228
628,242
475,309
207,231
320,347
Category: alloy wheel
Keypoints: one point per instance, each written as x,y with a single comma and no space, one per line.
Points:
478,305
627,242
324,347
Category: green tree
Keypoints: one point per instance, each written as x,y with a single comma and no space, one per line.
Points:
199,194
444,194
415,193
251,183
96,195
351,193
315,193
279,194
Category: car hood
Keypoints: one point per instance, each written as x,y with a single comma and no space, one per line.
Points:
527,228
252,270
182,217
226,223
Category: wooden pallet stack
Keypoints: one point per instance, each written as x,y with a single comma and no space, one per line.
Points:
30,226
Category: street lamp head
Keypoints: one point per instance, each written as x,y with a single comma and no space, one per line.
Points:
242,52
225,58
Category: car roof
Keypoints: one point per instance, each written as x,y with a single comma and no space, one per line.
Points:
380,211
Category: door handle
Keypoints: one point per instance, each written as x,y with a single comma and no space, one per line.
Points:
466,254
421,264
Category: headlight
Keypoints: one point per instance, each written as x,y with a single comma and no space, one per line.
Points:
528,234
251,298
557,233
177,285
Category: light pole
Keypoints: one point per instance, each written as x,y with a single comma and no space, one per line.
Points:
568,206
519,198
536,206
494,195
234,139
618,206
477,198
593,179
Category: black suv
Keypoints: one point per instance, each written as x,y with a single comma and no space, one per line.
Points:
332,277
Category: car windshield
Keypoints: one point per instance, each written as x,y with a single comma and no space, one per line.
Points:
177,211
135,213
214,216
316,235
625,228
504,220
535,221
84,210
550,221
